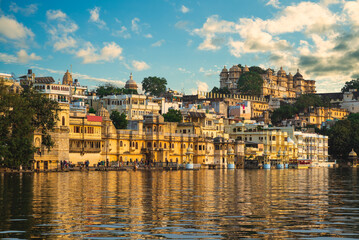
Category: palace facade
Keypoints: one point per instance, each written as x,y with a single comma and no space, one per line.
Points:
276,85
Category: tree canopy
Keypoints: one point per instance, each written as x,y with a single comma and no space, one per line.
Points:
119,120
257,69
250,83
20,115
224,90
353,84
172,116
287,111
110,89
155,86
343,137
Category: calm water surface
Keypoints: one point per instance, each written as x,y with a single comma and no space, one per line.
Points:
274,204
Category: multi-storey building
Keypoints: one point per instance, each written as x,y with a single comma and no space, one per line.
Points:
280,85
318,116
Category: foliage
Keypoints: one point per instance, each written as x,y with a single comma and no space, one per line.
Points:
224,90
250,83
353,84
173,116
20,115
343,137
155,86
110,89
257,69
287,111
119,120
92,110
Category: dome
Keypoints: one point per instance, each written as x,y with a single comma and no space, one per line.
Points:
67,79
298,75
103,113
269,71
235,68
224,69
290,75
131,84
245,69
281,72
353,154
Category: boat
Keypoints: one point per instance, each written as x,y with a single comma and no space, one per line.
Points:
300,163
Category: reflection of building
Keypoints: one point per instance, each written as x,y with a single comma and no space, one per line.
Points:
280,85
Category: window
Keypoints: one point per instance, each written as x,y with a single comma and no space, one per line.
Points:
63,121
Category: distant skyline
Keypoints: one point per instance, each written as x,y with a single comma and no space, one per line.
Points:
186,42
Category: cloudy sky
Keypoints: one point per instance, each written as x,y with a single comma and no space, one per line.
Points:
187,42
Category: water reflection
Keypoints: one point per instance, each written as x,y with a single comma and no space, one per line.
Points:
181,204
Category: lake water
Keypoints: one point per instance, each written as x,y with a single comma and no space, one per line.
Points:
263,204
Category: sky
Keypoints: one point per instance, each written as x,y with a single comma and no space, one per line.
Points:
186,42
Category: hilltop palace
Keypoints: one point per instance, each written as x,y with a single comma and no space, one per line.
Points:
280,85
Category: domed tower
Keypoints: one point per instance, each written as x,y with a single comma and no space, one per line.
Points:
298,80
245,69
223,77
353,158
290,81
131,84
269,72
67,79
102,112
282,78
234,74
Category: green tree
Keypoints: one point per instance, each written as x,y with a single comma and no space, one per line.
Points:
119,120
250,83
257,69
303,103
353,84
224,90
92,110
21,115
172,116
154,85
110,89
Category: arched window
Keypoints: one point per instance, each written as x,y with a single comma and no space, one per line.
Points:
165,145
121,143
63,121
136,145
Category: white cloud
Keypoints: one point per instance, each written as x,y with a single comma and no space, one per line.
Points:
122,33
21,57
183,70
148,35
109,52
12,29
7,58
134,25
61,30
95,17
56,15
202,86
64,43
184,9
209,72
140,65
158,43
273,3
27,11
351,8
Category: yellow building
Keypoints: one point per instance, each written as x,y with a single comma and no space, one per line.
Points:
278,85
85,138
45,159
271,144
316,116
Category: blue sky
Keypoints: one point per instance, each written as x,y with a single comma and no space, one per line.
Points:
187,42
